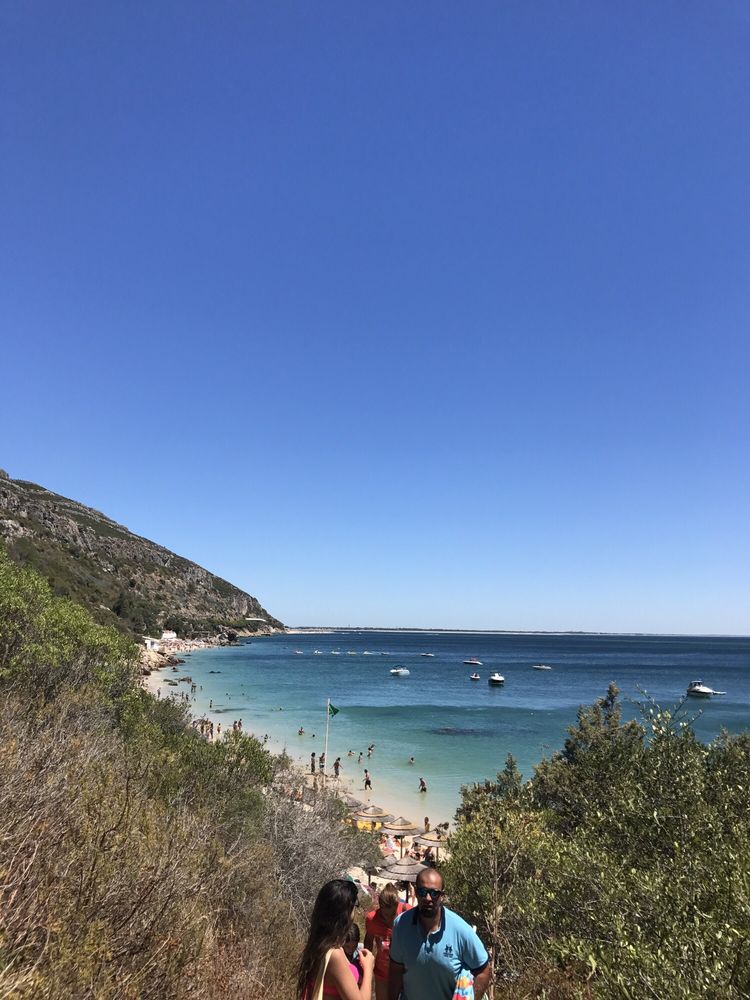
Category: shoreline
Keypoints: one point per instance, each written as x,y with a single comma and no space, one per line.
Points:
384,794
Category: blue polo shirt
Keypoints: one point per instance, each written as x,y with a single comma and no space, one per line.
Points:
436,965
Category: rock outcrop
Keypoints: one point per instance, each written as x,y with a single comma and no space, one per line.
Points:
122,578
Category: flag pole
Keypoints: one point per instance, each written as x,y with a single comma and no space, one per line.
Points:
328,719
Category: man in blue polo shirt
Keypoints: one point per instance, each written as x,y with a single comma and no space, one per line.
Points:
435,955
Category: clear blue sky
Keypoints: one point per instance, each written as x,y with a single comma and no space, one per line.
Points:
393,314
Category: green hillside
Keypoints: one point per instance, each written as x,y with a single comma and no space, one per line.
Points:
122,579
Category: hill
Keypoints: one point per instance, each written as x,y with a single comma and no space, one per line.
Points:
121,578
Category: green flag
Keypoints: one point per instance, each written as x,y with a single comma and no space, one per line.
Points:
332,710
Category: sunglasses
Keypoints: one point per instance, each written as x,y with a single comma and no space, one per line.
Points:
432,893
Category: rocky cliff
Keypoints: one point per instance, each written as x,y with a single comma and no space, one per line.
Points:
123,579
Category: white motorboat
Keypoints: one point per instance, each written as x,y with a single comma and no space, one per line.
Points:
426,654
350,652
697,689
317,652
540,666
496,679
366,652
399,672
474,677
473,662
299,652
335,652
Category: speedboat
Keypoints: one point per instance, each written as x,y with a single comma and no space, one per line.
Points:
473,662
298,652
496,679
474,677
540,666
399,672
366,652
335,652
317,652
697,689
426,654
350,652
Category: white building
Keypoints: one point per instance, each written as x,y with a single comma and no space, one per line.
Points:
165,636
153,644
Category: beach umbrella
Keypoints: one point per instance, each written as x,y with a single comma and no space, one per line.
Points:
402,869
433,838
400,828
372,814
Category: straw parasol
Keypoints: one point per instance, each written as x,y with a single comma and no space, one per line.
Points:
400,828
372,814
434,838
402,870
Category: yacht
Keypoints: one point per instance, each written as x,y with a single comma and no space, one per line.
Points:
697,689
496,679
298,652
399,672
540,666
473,662
474,677
317,652
335,652
426,654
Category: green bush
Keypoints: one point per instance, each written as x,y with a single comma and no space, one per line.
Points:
624,862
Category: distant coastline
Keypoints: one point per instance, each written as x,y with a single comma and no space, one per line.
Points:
410,630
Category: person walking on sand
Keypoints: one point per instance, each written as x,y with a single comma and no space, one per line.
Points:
378,929
368,780
336,767
435,955
312,762
324,970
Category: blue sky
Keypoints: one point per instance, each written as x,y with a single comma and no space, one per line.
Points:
424,314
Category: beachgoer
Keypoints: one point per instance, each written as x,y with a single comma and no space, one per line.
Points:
337,766
435,955
359,759
427,824
350,753
300,731
324,959
378,929
322,763
411,760
422,785
312,762
368,780
351,950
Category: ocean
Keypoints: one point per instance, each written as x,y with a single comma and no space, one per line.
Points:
457,730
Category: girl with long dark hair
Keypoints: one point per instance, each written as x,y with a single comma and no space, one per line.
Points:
324,967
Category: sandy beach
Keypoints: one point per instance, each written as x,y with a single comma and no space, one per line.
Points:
298,749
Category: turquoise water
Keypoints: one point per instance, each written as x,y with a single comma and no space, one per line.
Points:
457,730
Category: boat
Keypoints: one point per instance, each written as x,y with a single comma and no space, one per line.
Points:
298,652
496,679
317,652
399,672
473,662
350,652
540,666
335,652
366,652
697,689
474,677
426,654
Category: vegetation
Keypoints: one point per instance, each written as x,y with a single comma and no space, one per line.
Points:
620,870
123,580
137,859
